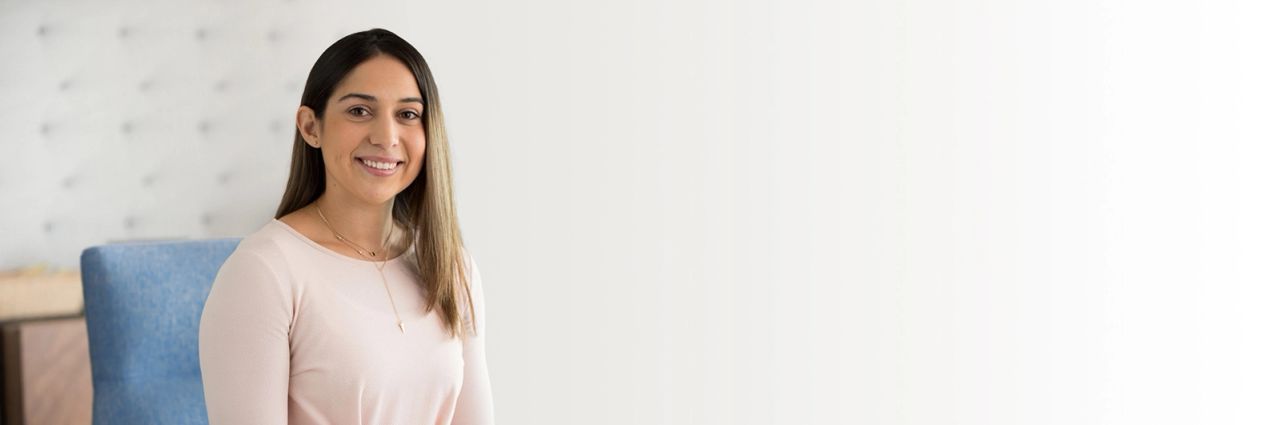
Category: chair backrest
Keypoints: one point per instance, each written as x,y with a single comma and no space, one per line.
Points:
142,305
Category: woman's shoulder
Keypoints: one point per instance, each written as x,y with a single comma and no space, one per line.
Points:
268,247
268,240
256,273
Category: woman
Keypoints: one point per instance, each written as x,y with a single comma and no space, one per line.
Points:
358,303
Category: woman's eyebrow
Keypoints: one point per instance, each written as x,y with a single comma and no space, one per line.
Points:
374,99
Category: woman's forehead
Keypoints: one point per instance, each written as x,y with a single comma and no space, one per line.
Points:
379,79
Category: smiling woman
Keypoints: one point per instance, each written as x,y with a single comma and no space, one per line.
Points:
366,140
358,302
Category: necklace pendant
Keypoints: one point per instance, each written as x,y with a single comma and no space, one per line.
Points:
401,327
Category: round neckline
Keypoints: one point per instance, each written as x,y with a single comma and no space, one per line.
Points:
325,249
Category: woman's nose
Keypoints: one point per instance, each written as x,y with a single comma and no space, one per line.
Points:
384,132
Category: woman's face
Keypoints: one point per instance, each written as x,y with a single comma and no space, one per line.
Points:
371,136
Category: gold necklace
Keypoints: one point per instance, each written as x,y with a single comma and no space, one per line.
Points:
372,255
359,249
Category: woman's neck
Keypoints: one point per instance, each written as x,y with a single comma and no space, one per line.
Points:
368,226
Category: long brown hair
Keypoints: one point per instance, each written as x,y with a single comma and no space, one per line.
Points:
426,207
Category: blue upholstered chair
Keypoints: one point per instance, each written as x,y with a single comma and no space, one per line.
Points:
142,305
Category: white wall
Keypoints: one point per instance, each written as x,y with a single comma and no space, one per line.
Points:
870,212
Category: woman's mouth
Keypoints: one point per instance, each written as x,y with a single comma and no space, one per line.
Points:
380,167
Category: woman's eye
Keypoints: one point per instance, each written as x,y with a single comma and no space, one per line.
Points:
358,111
409,115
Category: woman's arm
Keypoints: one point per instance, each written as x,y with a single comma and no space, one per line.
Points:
475,403
244,343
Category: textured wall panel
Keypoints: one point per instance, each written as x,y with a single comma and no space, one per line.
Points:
128,120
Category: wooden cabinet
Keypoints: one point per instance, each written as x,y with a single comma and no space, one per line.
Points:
46,372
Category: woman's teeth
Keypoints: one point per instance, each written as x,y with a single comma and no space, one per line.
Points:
379,165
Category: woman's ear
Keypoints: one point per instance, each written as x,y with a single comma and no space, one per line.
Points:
309,126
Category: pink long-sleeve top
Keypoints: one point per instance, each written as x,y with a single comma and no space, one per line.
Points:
296,333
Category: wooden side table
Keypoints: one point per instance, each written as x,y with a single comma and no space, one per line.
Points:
46,372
